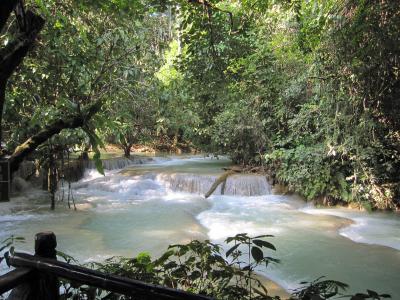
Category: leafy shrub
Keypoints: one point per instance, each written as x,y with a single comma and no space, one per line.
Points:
310,171
239,132
204,268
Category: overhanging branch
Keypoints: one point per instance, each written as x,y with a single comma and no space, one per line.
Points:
12,55
70,122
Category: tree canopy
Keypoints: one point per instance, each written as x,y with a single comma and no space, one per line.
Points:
308,89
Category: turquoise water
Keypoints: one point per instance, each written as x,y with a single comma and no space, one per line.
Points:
149,206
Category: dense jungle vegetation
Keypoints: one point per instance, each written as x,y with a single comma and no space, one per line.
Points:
308,89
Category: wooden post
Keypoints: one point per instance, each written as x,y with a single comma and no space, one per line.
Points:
44,286
45,244
5,180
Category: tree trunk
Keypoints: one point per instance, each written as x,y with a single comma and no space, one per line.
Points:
2,101
127,150
176,138
45,178
85,153
71,122
52,180
11,57
14,52
6,7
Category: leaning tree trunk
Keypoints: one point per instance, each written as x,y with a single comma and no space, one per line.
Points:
2,101
12,54
71,122
220,180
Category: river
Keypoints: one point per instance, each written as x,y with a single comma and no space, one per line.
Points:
149,206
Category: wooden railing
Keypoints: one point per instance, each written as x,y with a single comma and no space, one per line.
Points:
36,277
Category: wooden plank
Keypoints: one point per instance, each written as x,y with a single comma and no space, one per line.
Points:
97,279
14,278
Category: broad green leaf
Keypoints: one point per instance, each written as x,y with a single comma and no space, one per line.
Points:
257,253
265,244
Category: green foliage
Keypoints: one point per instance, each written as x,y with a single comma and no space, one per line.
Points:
239,132
205,268
8,245
309,85
309,88
96,143
55,80
198,267
311,171
112,54
320,289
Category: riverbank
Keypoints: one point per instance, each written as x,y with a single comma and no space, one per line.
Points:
324,200
274,289
156,147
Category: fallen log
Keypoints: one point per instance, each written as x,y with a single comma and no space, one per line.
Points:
247,169
222,180
236,169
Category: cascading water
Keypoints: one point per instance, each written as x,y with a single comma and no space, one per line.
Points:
237,185
119,162
146,207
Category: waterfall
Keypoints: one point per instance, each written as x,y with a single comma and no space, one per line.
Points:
76,169
119,162
247,185
240,185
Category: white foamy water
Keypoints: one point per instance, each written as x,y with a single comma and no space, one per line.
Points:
309,245
149,206
372,228
121,162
